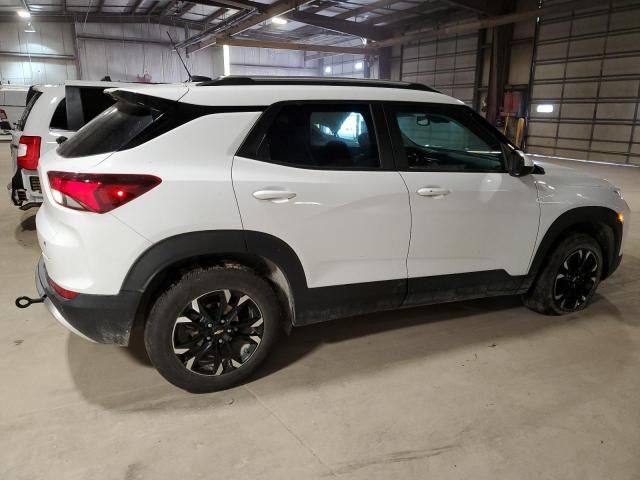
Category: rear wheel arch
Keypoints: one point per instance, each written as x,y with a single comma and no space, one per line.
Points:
599,222
166,261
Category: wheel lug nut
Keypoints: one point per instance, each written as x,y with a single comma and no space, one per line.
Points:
220,341
209,325
208,338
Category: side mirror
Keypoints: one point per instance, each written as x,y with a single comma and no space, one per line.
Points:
520,164
61,139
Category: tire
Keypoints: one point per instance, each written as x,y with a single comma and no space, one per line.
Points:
212,328
579,257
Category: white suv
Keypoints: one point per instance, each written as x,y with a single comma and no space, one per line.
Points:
52,114
217,214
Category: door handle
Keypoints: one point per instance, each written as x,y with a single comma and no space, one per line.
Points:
273,195
433,191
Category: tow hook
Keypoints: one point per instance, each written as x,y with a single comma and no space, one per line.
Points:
24,302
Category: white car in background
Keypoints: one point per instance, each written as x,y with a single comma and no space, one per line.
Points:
13,99
52,114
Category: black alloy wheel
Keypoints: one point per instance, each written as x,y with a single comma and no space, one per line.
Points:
217,332
576,279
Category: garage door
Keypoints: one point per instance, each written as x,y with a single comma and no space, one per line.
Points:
446,64
584,101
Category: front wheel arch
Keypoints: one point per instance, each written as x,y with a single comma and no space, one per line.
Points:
599,222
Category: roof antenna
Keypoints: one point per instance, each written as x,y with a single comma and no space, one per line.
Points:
179,56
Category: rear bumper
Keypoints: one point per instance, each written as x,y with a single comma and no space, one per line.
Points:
24,195
98,318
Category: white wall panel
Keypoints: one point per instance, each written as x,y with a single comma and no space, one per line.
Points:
269,61
49,38
130,61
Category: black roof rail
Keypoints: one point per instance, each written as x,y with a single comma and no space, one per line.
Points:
333,81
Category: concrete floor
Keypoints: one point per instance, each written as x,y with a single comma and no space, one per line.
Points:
474,390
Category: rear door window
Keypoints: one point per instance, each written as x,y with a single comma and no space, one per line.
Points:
327,136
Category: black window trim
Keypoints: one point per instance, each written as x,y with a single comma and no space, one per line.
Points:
391,108
251,145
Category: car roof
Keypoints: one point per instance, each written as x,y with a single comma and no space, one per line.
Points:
261,91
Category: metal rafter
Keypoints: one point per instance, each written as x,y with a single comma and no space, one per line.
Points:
477,6
204,39
218,13
241,42
135,6
411,12
167,8
358,29
490,22
235,4
356,12
105,18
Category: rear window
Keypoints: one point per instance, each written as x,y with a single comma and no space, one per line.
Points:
110,131
33,97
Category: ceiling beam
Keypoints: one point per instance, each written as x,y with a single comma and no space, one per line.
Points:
104,38
167,8
37,55
213,29
184,8
237,4
476,6
489,22
356,12
307,47
279,7
338,25
321,5
135,6
105,18
410,13
218,13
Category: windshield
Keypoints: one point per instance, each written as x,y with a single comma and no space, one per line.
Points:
110,131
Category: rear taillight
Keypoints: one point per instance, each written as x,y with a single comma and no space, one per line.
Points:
28,152
98,192
63,292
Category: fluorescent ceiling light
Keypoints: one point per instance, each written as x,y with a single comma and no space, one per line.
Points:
23,14
327,69
358,65
279,21
544,108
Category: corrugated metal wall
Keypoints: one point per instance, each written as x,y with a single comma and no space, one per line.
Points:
588,68
130,61
446,64
268,61
50,38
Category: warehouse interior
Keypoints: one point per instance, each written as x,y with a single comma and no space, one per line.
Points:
478,389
